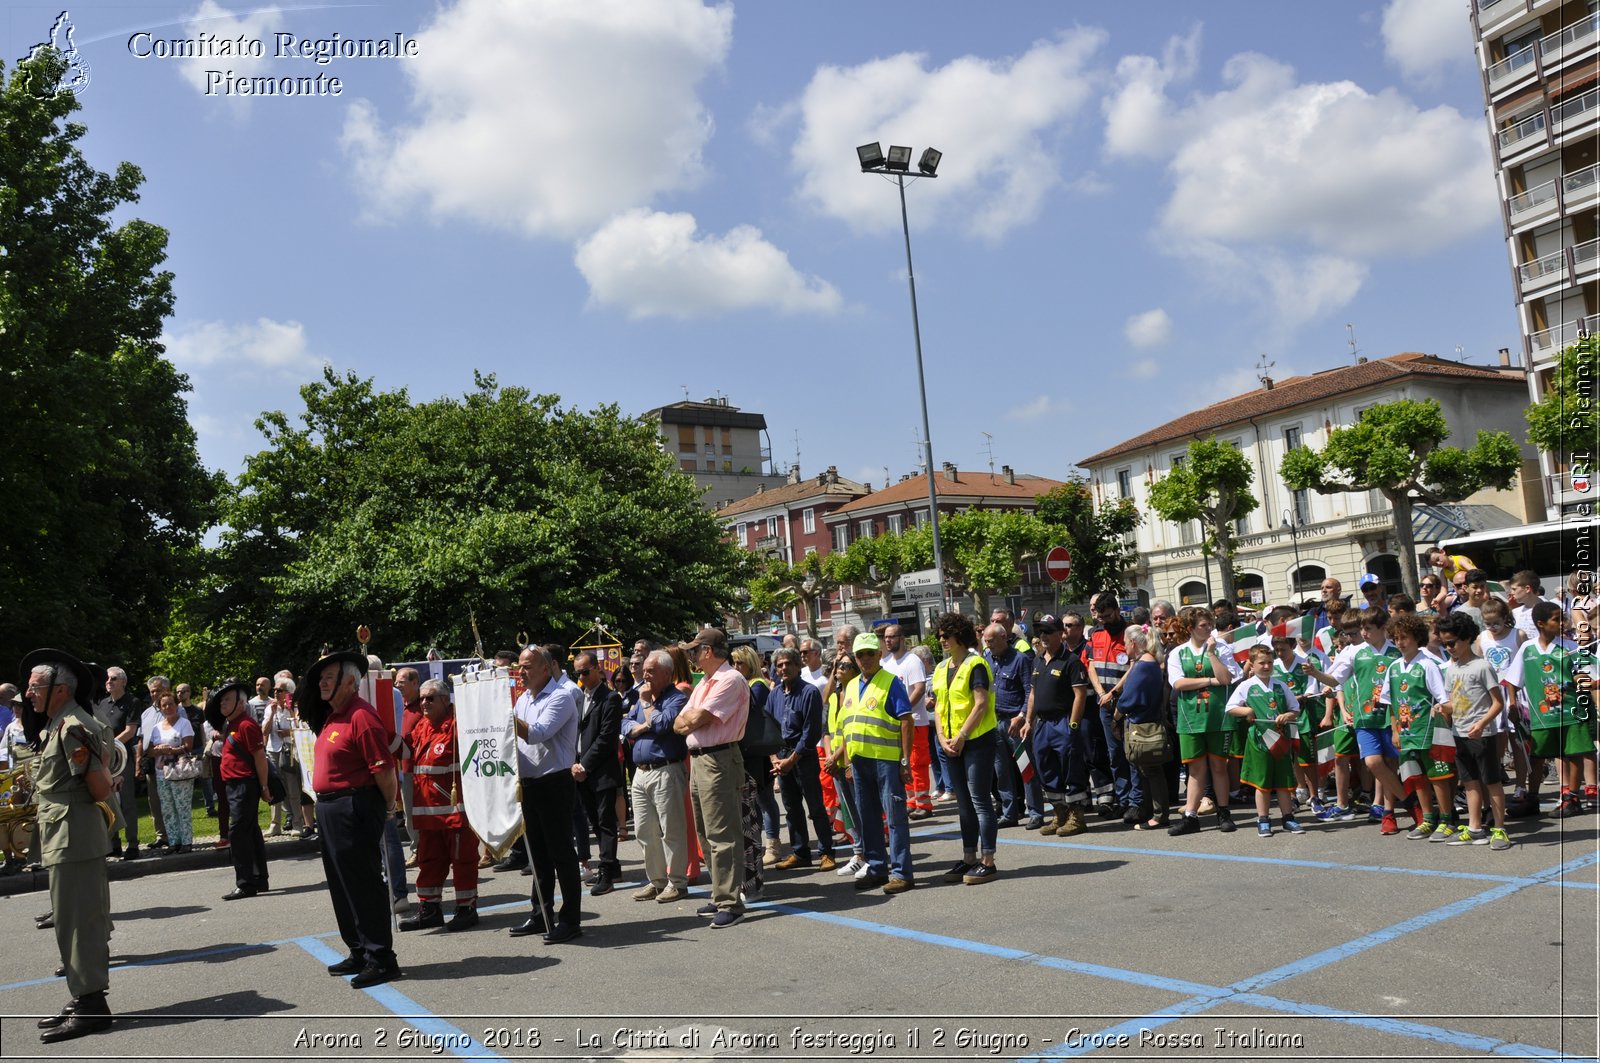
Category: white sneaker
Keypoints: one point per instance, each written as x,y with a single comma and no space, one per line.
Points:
854,869
274,831
864,872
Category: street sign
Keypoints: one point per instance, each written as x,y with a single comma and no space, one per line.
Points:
920,586
1058,564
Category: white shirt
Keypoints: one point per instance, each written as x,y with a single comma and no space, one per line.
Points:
258,708
162,733
817,677
908,667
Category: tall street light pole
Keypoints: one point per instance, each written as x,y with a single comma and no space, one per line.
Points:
895,165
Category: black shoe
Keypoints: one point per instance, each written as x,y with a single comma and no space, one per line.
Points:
1107,809
429,917
563,932
1185,825
869,881
1225,821
89,1015
51,1022
47,923
510,863
348,965
61,972
131,854
375,974
533,925
1131,816
239,893
602,886
1007,822
464,919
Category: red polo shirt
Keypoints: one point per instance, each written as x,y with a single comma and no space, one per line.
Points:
240,748
352,748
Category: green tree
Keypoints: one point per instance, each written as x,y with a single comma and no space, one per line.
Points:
1563,422
1212,486
1397,448
803,582
985,548
1093,536
107,496
878,562
412,517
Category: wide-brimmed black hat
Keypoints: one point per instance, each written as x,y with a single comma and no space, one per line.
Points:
91,679
213,713
308,700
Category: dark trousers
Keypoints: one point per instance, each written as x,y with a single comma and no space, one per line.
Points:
128,799
547,804
1015,795
225,812
352,859
1058,757
248,850
802,789
600,816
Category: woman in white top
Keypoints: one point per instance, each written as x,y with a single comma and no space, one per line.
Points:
278,723
168,738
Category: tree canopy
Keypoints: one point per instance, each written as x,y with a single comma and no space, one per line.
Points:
1094,537
415,517
1398,448
1563,422
107,494
1212,486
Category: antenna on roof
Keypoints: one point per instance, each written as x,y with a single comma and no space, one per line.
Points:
1459,349
685,388
988,445
1264,371
797,448
885,469
1355,352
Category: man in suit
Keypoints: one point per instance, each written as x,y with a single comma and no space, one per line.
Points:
598,771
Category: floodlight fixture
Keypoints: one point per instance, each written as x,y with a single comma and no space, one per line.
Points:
899,158
871,156
929,161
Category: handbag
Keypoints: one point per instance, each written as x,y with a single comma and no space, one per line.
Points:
182,768
1145,744
762,735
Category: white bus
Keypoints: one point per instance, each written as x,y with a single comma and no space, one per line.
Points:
1554,549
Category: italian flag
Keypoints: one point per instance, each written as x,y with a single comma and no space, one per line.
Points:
1241,640
1024,762
1325,641
1278,743
1304,627
842,823
1412,777
1444,743
1325,754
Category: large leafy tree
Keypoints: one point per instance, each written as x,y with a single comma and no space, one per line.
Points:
877,563
984,550
1212,486
1093,536
1563,422
1398,448
415,517
106,496
803,582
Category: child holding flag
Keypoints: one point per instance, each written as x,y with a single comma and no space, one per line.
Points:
1360,673
1475,706
1272,712
1414,687
1289,669
1200,672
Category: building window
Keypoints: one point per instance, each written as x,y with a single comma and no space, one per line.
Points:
922,517
1302,507
741,534
1124,483
897,524
1176,461
810,550
864,529
1242,525
1189,533
686,437
772,527
1291,437
808,520
841,538
709,437
687,465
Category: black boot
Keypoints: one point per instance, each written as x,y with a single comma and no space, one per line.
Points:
90,1014
429,917
1225,820
463,919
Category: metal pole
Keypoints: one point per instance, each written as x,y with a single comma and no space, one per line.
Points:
922,388
1289,518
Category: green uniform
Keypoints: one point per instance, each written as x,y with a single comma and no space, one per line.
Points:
1413,693
1368,668
1300,684
1561,716
1202,720
1261,769
73,844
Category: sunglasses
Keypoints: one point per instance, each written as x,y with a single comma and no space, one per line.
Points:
582,671
431,697
1448,643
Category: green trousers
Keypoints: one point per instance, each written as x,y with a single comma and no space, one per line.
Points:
80,897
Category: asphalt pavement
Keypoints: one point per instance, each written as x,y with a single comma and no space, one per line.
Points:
1339,944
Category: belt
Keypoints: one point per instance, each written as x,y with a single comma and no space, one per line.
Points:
703,750
662,764
328,795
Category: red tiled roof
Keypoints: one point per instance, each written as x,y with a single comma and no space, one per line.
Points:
793,494
969,488
1305,390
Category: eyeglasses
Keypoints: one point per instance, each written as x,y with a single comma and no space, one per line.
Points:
1448,643
431,697
1071,624
582,671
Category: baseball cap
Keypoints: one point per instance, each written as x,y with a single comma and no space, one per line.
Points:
1048,626
1369,580
866,641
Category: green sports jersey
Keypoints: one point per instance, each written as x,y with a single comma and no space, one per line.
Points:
1200,711
1265,705
1298,682
1550,680
1360,690
1411,703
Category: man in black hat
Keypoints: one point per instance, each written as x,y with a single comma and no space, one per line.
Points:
356,785
73,780
243,773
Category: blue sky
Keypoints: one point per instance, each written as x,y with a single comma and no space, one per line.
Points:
618,201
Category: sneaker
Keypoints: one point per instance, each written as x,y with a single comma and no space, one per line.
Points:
853,867
1225,821
865,872
1292,826
402,905
792,861
897,885
1318,807
1568,808
1185,825
1263,828
670,894
1498,841
274,831
649,893
1467,836
751,892
1346,815
868,881
1330,813
724,919
827,863
708,910
978,874
1207,806
1419,832
1033,823
1376,813
1442,833
959,870
1388,825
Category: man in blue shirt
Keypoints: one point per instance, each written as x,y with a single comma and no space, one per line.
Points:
660,781
797,706
546,718
1013,678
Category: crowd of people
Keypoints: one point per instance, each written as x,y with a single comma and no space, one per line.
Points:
819,758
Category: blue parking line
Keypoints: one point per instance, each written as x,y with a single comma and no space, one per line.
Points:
415,1015
1125,1034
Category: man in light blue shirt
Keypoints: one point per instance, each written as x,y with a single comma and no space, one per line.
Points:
546,719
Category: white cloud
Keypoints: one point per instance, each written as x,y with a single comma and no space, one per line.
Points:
653,264
1144,369
1037,408
262,346
1138,114
217,21
1149,329
546,117
1425,38
991,117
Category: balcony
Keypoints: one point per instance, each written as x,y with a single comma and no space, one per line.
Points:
1497,16
1543,272
1528,133
1585,261
1570,116
1513,69
1581,188
1548,343
1539,203
1570,43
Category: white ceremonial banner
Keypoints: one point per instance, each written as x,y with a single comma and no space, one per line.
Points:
488,745
305,748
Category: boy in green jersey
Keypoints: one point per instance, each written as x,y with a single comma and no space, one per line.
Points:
1414,687
1272,713
1289,669
1559,679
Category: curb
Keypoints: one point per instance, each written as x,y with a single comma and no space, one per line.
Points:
154,863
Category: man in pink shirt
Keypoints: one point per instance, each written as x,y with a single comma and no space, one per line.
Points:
713,722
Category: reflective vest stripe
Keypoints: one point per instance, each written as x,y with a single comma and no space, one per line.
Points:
869,730
434,769
435,810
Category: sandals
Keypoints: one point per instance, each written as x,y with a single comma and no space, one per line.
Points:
1152,824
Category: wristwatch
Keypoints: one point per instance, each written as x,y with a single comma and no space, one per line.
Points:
905,762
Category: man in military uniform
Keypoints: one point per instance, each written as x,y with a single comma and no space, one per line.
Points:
73,780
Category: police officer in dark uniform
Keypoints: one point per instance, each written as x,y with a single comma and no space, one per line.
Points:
73,776
1057,707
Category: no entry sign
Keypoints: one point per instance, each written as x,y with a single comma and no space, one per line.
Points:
1058,564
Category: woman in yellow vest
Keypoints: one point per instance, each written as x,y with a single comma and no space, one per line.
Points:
963,714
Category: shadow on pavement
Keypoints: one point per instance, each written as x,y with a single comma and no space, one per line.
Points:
246,1004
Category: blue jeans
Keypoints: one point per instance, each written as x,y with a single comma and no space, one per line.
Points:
394,858
973,774
938,770
1006,776
880,792
1125,781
